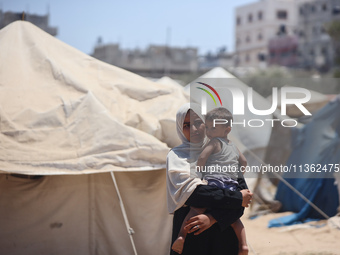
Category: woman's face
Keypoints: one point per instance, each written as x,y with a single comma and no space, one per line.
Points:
193,127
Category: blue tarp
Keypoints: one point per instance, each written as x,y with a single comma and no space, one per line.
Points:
318,142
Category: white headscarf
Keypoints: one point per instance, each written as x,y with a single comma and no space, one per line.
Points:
182,179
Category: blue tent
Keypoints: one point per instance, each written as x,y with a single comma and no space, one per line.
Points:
318,142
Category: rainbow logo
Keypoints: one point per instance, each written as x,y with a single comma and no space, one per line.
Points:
209,93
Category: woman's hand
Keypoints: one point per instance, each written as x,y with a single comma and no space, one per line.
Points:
199,223
247,196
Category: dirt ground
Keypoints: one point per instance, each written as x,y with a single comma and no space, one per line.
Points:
313,238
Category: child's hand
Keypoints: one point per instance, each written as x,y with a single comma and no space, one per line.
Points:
247,196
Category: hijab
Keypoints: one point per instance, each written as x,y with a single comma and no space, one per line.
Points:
182,179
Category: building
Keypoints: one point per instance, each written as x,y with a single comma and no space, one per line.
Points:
155,61
256,24
221,58
315,45
283,49
41,21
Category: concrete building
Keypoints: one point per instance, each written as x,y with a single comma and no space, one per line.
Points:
283,50
155,61
221,58
315,45
256,24
41,21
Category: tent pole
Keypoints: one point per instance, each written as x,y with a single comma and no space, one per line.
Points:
129,229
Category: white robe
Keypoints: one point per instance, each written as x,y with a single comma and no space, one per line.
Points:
182,179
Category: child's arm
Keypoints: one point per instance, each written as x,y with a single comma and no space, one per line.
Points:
212,147
242,161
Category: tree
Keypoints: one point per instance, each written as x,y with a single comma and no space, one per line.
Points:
333,29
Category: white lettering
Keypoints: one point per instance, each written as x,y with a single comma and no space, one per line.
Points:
297,101
262,112
289,121
272,120
257,122
253,120
237,123
219,121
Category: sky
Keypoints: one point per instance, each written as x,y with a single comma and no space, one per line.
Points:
207,25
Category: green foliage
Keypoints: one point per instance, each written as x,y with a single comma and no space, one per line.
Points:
333,29
263,81
336,73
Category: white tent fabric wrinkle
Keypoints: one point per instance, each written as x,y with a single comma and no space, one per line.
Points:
61,109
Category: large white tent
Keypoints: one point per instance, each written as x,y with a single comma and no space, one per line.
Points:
83,151
167,81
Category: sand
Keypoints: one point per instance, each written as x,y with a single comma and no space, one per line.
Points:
309,238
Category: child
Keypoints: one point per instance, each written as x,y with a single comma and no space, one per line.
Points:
222,159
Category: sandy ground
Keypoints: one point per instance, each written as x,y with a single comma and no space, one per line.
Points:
317,238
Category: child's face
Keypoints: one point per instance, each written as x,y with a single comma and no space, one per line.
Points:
220,130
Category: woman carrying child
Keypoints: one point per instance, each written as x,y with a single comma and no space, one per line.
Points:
209,232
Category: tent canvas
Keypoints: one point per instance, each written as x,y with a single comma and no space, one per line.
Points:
64,114
167,81
42,89
81,214
318,142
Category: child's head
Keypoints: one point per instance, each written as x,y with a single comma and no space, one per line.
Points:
215,128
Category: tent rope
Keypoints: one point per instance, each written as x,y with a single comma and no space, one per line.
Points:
128,227
293,189
251,248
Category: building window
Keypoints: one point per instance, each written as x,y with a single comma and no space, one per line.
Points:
250,18
238,41
336,10
248,39
312,8
247,58
260,15
324,7
301,11
315,30
261,56
238,21
259,37
284,54
282,14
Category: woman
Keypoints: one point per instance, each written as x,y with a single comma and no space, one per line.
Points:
185,189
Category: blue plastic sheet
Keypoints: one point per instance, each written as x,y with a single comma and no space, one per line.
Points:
318,142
